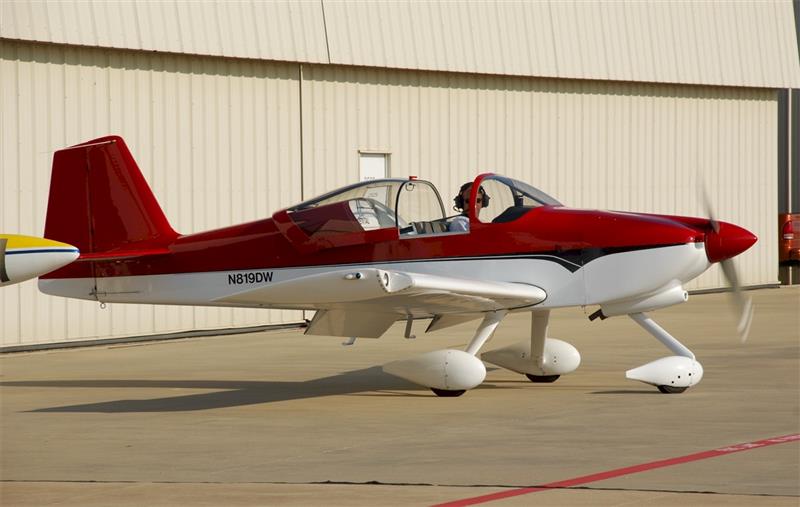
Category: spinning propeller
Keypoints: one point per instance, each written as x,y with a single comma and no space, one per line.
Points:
723,242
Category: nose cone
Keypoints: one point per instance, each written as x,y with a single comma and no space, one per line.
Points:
729,241
25,257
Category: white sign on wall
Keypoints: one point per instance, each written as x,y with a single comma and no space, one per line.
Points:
373,166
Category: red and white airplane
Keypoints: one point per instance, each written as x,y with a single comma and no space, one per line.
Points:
370,254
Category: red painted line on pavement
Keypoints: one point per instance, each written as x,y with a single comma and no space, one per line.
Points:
722,451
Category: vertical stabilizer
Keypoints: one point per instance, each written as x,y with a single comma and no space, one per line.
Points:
100,202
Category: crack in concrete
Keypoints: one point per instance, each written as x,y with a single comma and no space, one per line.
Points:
404,484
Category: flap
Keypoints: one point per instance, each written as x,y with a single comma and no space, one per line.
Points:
350,323
451,319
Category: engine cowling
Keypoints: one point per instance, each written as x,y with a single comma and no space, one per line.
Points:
560,358
448,370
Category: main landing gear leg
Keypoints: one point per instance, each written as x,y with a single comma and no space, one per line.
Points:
539,322
482,335
673,374
449,372
539,358
485,331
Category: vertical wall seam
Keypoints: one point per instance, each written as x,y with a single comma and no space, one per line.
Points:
796,9
325,30
553,37
302,146
794,149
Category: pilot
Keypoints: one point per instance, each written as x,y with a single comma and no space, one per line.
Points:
460,223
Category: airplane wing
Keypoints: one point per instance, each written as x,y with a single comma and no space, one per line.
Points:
364,302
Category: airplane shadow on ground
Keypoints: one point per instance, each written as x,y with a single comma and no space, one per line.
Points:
628,391
233,393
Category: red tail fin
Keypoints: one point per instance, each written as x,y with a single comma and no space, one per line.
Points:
101,203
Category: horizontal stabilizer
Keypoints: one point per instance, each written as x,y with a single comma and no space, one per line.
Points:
122,254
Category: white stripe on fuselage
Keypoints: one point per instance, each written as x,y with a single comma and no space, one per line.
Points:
643,272
608,278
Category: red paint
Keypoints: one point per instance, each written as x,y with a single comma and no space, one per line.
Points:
601,476
729,241
122,254
723,240
100,202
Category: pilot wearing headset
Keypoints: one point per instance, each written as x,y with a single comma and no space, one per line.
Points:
460,223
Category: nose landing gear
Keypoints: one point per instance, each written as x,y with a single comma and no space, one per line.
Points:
672,374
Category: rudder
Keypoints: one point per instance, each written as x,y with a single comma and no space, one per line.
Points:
100,202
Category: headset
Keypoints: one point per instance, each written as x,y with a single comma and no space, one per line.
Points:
458,200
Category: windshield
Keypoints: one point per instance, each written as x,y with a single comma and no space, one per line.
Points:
506,199
524,194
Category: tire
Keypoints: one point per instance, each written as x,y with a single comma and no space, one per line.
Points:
542,379
671,389
444,393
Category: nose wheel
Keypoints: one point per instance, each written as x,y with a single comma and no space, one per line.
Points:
671,389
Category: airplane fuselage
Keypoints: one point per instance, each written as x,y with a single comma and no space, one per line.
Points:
576,256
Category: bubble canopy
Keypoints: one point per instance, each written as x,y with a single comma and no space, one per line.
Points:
412,205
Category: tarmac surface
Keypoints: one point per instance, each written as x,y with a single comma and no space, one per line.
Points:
278,418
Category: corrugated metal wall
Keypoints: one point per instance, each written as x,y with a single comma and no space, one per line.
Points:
218,140
735,43
742,43
275,30
594,144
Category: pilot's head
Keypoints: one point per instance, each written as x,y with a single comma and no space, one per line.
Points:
461,200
